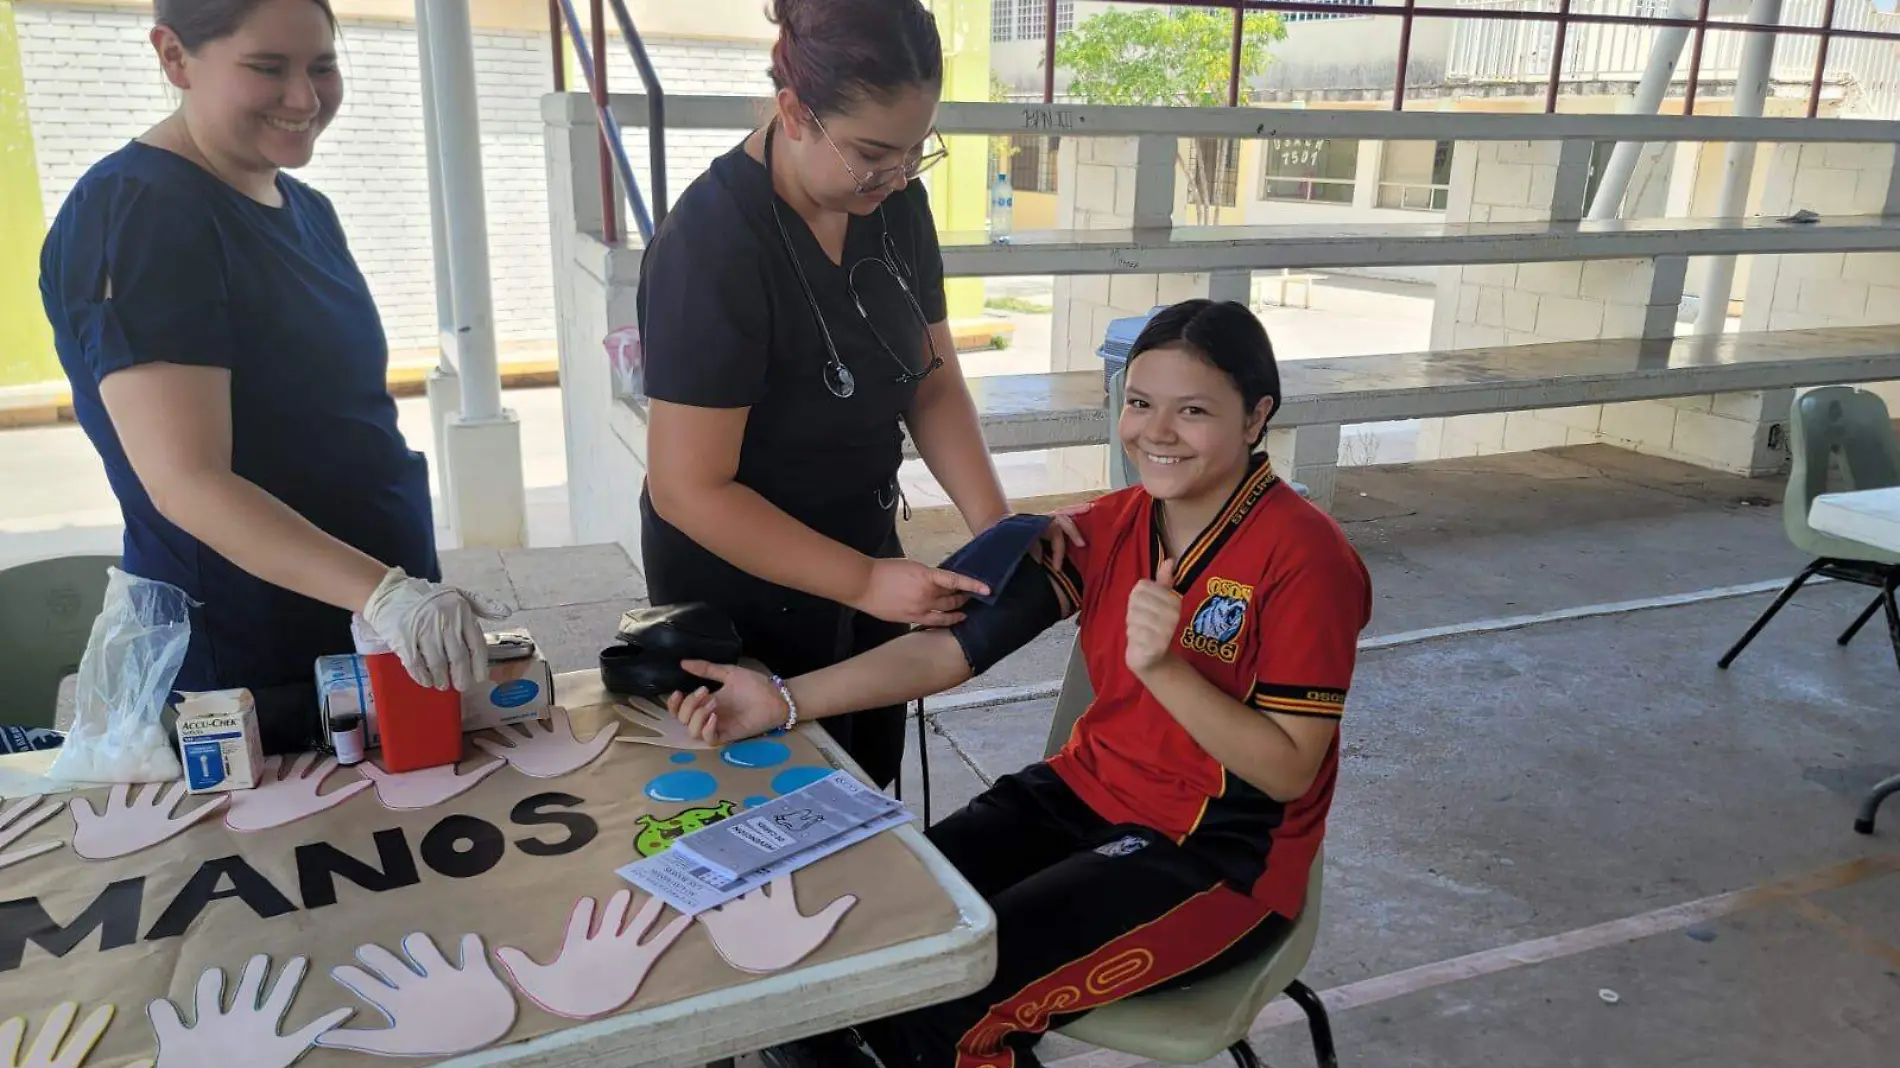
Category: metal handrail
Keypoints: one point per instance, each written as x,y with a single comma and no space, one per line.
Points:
610,130
656,107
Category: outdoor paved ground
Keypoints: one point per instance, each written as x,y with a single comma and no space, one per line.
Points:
1532,810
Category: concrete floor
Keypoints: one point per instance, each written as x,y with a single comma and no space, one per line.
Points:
1547,789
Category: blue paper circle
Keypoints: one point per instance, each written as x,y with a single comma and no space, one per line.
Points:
683,758
755,801
682,786
792,778
756,753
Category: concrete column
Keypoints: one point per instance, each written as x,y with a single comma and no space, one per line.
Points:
486,498
1751,93
1660,71
444,383
1369,168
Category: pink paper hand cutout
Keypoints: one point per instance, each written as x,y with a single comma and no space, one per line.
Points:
52,1049
246,1035
19,818
763,931
669,732
434,1009
547,751
410,790
130,823
596,972
282,797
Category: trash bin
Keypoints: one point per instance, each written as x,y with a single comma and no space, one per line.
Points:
1121,338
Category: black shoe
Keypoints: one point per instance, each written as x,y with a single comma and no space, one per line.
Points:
834,1049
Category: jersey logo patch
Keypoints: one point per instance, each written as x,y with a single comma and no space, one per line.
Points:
1215,628
1121,847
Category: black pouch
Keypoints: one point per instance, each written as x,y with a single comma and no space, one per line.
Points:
689,630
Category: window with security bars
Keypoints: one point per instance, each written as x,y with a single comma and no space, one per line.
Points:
1026,20
1309,168
1214,172
1032,164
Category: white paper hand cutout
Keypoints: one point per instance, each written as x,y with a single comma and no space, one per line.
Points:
282,797
670,733
434,1009
47,1051
248,1034
596,972
19,818
547,751
130,824
426,788
764,931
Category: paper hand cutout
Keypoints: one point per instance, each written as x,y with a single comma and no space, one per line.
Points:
47,1051
434,1009
547,751
247,1035
130,824
426,788
764,931
596,972
15,821
282,797
670,733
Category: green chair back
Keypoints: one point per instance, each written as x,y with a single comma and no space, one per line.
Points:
46,613
1840,439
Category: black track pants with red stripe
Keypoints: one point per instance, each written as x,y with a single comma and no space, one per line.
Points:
1087,913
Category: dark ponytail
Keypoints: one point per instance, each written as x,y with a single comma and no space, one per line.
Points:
1226,334
836,53
198,22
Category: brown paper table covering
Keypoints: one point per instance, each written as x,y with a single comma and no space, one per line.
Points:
506,860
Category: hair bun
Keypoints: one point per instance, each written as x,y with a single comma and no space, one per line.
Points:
785,12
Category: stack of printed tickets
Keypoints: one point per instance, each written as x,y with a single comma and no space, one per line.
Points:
718,863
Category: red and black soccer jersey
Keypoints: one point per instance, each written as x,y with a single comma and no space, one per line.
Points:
1273,600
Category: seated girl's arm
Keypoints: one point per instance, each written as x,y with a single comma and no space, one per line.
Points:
1309,633
915,665
174,423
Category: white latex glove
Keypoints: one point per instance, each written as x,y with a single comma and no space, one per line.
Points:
436,630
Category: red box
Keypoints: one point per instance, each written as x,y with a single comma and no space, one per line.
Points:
421,727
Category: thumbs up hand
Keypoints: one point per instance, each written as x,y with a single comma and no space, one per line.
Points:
1154,621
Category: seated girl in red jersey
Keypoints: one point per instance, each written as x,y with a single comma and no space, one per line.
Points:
1220,614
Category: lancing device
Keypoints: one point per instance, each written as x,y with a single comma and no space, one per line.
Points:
346,737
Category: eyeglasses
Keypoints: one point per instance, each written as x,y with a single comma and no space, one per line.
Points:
916,161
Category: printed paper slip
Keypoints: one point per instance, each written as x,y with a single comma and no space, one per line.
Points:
692,888
785,826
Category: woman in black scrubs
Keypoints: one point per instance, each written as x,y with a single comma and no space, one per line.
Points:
791,311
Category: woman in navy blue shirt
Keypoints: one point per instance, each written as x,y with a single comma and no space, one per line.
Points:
228,363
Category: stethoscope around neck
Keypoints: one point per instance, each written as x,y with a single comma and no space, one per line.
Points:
838,378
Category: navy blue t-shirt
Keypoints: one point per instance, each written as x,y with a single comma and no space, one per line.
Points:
154,260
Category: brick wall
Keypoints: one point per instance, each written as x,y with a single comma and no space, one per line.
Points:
93,83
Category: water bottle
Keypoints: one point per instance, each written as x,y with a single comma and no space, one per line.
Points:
1002,207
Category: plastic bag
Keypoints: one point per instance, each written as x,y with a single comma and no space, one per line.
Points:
125,680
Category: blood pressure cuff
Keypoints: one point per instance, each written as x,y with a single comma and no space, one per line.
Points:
654,640
994,556
1024,606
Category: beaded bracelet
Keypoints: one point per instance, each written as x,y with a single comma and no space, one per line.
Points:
791,706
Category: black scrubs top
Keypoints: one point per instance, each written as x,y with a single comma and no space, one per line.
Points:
725,323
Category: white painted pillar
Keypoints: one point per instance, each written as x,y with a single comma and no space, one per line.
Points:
486,494
444,382
1751,94
1368,169
1663,57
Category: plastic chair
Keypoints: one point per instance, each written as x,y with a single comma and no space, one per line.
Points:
46,613
1197,1022
1840,439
